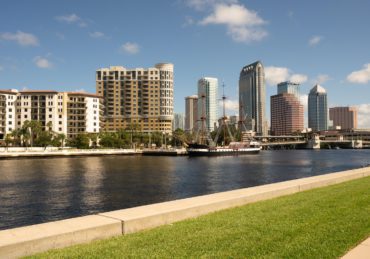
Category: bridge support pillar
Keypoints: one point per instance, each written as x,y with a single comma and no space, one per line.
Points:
356,144
314,143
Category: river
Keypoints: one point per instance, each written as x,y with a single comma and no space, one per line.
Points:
39,190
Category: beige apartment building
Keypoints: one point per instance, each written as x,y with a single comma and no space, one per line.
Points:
69,113
345,117
140,98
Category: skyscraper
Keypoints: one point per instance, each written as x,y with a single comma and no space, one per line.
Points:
191,112
289,88
143,97
317,109
207,101
252,97
178,121
286,114
345,117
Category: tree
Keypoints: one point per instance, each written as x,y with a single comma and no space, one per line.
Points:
44,139
80,141
178,138
31,130
16,134
8,139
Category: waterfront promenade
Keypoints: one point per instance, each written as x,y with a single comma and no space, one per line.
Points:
55,152
37,238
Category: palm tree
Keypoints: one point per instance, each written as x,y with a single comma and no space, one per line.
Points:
62,138
16,134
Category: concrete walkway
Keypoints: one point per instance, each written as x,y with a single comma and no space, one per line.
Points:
362,251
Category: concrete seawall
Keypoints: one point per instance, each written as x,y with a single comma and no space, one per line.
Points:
40,152
37,238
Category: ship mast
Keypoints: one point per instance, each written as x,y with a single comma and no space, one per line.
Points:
203,134
224,126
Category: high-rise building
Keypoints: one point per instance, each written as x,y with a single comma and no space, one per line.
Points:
252,98
69,113
84,113
287,114
191,113
289,88
207,101
8,100
140,97
317,109
178,121
345,117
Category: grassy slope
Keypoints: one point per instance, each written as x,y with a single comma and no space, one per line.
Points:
321,223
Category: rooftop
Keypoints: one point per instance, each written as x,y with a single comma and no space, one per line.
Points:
318,89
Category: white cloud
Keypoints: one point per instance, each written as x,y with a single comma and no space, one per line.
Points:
230,105
245,34
188,21
275,75
42,62
315,40
298,78
22,38
130,48
201,5
243,25
1,68
72,19
363,118
233,15
97,34
361,76
60,36
303,98
320,79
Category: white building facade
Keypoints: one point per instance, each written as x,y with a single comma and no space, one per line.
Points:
67,113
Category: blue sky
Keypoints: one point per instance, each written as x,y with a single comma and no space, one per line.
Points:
59,44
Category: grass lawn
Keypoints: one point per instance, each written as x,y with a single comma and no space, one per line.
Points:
320,223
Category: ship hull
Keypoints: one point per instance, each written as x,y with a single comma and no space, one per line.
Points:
222,152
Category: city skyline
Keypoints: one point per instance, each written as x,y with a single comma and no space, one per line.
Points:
60,45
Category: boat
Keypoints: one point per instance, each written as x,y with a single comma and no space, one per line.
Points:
211,149
234,148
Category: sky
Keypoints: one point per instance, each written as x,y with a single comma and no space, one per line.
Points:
58,45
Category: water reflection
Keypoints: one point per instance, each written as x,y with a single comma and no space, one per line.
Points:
39,190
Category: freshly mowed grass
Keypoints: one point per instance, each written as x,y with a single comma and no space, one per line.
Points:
321,223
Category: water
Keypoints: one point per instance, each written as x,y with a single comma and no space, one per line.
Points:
40,190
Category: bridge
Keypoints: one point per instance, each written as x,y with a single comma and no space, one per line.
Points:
315,141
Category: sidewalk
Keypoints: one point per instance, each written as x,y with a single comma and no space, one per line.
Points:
362,251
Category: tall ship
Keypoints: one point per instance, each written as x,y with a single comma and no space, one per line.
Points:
205,146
